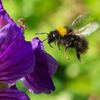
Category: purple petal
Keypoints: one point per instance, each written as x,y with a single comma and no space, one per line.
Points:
40,79
1,7
3,22
52,64
37,44
4,16
16,55
12,94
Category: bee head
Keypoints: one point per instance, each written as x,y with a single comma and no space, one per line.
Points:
52,36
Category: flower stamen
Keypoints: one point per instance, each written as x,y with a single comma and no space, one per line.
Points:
21,23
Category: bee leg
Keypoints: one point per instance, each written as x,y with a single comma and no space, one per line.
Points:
55,42
50,45
78,55
58,43
66,47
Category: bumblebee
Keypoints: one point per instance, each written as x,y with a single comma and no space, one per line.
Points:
67,37
70,38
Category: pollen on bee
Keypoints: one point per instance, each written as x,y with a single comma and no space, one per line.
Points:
62,30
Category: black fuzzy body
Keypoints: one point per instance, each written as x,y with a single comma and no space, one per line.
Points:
72,40
79,43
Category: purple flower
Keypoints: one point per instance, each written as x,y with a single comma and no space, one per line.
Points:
22,60
12,94
16,54
45,66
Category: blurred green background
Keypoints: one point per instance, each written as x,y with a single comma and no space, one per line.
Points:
74,80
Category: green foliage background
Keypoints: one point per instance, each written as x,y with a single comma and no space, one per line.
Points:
74,80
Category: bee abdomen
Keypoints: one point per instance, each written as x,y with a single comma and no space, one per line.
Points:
82,45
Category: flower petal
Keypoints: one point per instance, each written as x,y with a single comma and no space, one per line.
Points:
1,7
40,79
52,64
12,94
4,15
16,55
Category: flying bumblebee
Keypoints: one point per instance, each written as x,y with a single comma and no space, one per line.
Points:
69,38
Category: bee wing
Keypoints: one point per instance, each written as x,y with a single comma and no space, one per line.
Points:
88,29
77,20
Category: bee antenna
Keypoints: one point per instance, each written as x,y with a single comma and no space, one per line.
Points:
40,33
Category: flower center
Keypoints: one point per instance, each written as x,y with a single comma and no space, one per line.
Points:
3,22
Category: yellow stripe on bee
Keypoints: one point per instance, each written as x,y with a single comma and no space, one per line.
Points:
62,30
